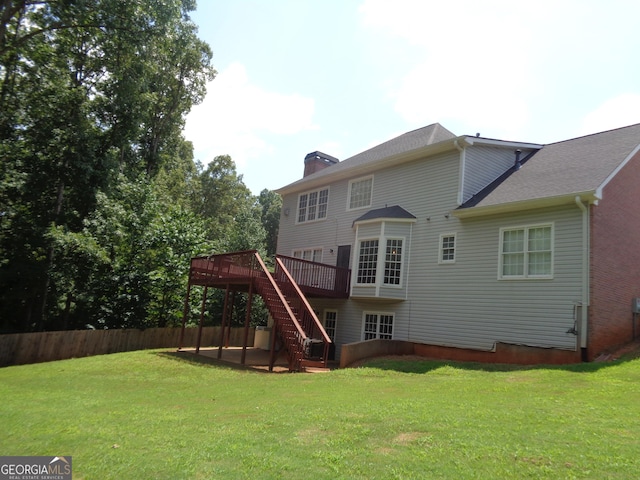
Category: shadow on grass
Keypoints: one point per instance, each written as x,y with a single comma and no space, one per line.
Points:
206,361
411,365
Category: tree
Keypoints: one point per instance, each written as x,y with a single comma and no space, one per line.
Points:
149,245
271,204
219,198
88,89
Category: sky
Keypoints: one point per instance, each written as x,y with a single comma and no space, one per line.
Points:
341,76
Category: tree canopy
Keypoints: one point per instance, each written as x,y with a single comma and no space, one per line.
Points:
101,202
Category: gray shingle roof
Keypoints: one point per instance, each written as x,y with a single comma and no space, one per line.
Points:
409,141
404,143
573,166
396,212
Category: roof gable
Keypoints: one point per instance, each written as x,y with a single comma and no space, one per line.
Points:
564,169
407,142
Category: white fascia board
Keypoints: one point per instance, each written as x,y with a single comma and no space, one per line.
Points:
384,219
616,171
590,197
501,143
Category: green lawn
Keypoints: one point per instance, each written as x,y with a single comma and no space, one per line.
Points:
157,415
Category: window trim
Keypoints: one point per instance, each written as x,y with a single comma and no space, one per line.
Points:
378,315
324,320
380,262
525,275
441,260
356,180
308,193
384,260
357,262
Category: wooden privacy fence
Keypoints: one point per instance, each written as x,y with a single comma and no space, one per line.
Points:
24,348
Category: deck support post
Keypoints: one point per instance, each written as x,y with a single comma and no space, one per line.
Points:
247,320
185,312
228,333
272,352
224,320
204,301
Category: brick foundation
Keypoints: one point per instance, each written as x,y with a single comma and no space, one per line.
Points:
504,353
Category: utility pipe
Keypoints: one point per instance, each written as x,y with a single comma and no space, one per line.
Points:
585,272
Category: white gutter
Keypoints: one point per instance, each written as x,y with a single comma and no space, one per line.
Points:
583,330
384,219
521,205
347,169
502,143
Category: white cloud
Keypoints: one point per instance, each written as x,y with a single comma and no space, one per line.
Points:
236,117
469,69
616,112
332,148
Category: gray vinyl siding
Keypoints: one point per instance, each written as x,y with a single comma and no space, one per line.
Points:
369,230
421,187
465,305
462,304
483,164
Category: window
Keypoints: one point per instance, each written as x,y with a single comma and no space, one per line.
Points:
311,254
526,252
377,325
393,262
447,248
330,321
367,262
360,193
313,205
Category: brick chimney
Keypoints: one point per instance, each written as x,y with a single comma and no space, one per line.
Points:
316,161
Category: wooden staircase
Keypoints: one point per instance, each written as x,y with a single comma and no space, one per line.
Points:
296,328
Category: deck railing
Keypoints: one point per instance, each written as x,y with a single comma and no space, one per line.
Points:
227,265
317,278
317,341
295,319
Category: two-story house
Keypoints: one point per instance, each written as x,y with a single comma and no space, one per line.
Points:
473,248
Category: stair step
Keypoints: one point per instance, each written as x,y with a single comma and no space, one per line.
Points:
313,364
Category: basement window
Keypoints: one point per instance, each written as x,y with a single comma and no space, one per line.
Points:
330,323
377,325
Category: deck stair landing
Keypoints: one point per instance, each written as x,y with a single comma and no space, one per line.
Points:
296,328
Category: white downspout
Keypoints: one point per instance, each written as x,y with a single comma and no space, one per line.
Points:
583,331
462,151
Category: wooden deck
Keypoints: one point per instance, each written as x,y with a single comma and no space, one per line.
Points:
295,325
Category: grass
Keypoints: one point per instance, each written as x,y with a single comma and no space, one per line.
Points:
159,415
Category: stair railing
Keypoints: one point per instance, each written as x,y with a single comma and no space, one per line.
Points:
291,330
310,322
296,322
